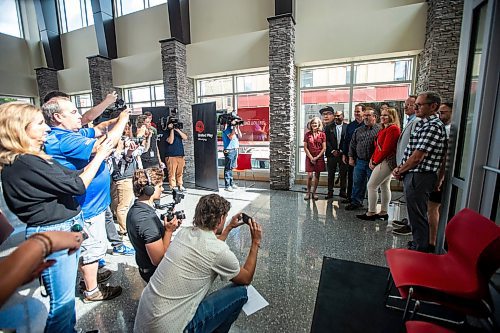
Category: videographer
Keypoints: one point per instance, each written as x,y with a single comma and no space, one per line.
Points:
151,156
149,236
174,156
175,299
230,138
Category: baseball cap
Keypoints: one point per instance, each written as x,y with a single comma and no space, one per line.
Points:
326,109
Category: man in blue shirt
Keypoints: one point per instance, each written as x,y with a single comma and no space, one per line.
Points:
230,137
174,157
73,147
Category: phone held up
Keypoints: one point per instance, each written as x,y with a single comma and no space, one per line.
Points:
246,219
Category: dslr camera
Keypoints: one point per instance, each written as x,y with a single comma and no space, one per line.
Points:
138,141
173,119
228,118
170,213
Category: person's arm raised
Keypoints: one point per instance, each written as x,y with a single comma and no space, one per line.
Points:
103,151
245,276
115,133
97,110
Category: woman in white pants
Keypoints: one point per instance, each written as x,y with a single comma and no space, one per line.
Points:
382,163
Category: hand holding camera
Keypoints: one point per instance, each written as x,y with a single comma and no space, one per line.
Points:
171,225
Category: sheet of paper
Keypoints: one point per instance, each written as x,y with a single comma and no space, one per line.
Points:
255,301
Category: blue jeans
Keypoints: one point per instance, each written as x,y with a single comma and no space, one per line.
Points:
218,311
60,280
362,173
229,165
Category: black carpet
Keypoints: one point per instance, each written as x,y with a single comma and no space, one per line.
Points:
351,299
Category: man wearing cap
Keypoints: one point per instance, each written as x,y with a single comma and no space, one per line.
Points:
335,133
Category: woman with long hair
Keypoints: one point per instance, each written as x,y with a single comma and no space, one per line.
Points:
41,193
382,163
314,147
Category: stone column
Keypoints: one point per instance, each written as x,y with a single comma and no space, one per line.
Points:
46,80
437,64
179,94
282,76
101,78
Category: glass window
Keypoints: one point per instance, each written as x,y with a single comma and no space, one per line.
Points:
325,76
75,14
7,99
221,102
393,70
464,141
10,24
139,94
83,102
124,7
138,97
159,92
252,82
217,86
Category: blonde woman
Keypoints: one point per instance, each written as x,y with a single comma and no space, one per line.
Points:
314,147
382,163
41,193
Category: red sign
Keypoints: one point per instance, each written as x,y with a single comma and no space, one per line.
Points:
200,126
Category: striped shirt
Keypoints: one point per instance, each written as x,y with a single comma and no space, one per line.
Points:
361,146
429,136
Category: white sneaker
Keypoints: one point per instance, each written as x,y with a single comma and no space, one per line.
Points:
235,187
181,188
229,189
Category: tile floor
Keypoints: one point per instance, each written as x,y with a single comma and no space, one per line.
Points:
296,236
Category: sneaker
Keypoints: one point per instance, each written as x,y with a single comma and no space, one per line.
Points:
412,245
229,189
353,206
101,263
235,187
123,250
401,223
103,294
182,188
103,275
404,230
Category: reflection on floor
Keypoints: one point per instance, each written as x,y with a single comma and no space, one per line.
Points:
296,236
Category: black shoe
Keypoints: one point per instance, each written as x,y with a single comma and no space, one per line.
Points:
366,217
353,206
412,245
399,224
403,231
431,248
346,201
384,217
343,195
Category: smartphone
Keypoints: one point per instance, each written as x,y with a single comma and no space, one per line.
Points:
246,219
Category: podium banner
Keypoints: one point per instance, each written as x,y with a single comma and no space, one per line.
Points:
205,146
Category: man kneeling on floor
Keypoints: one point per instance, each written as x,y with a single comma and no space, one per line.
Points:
175,298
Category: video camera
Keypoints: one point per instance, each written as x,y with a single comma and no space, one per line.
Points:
172,119
169,214
228,118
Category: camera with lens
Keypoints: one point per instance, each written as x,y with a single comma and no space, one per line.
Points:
170,213
228,118
173,119
138,141
112,111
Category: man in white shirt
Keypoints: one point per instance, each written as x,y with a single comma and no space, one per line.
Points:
175,298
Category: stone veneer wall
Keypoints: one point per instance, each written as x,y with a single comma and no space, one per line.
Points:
437,64
179,94
46,80
282,76
101,78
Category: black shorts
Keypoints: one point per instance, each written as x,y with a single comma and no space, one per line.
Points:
436,196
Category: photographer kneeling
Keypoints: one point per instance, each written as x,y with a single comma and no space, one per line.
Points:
175,298
148,234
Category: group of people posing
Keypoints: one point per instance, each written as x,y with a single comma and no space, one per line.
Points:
372,149
59,179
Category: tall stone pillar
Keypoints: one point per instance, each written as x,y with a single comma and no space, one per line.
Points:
46,80
179,94
282,76
437,64
101,78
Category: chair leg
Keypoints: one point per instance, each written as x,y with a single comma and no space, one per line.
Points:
408,301
415,310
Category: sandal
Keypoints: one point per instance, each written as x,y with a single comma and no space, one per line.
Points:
307,197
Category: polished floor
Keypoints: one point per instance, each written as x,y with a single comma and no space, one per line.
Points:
296,236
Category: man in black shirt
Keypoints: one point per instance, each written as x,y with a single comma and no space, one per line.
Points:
148,234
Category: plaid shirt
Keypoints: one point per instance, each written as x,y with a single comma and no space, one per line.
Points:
429,136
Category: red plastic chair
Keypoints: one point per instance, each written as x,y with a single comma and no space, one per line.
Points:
458,279
414,326
244,164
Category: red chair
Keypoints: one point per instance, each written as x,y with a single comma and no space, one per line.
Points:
244,164
458,279
414,326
